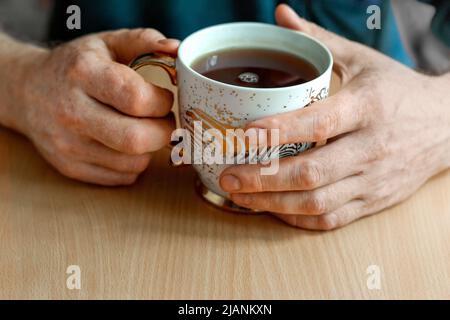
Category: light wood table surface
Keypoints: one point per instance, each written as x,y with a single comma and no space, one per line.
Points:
158,240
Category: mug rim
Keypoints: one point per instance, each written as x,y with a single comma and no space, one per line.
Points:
255,24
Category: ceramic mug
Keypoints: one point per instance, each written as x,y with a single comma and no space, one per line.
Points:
217,104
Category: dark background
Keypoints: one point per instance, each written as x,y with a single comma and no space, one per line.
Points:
28,21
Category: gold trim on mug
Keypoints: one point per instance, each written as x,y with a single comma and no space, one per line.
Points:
157,59
191,108
219,201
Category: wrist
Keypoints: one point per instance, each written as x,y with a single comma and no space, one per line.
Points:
443,83
435,96
16,60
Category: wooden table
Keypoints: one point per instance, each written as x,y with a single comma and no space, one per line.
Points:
158,240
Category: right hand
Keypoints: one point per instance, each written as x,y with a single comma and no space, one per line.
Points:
92,117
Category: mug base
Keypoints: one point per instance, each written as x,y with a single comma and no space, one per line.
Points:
219,201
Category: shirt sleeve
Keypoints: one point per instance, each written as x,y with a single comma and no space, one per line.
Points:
440,25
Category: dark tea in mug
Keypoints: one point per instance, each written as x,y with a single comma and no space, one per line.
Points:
255,68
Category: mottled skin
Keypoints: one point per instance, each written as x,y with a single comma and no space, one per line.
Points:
97,121
388,131
93,118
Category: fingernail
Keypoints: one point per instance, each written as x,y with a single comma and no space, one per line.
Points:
230,183
242,199
167,41
163,41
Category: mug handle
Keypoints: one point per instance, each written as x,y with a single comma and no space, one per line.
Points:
159,69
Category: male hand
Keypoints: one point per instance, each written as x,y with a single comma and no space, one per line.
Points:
388,130
90,115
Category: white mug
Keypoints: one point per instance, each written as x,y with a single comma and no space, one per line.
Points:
212,102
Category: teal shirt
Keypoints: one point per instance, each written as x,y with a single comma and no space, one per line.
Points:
179,18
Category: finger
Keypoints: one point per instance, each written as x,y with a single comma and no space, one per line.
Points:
97,154
317,202
330,221
126,45
89,173
122,133
339,46
119,86
325,119
307,171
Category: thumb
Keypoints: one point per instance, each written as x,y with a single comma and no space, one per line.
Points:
286,17
125,45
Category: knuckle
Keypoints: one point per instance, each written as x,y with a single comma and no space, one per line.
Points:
120,31
134,97
310,175
62,146
147,34
66,115
255,183
372,106
283,129
274,123
78,65
62,115
356,57
323,125
327,222
315,204
137,100
133,141
294,176
378,149
115,80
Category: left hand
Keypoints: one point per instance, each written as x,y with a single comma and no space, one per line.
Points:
390,132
